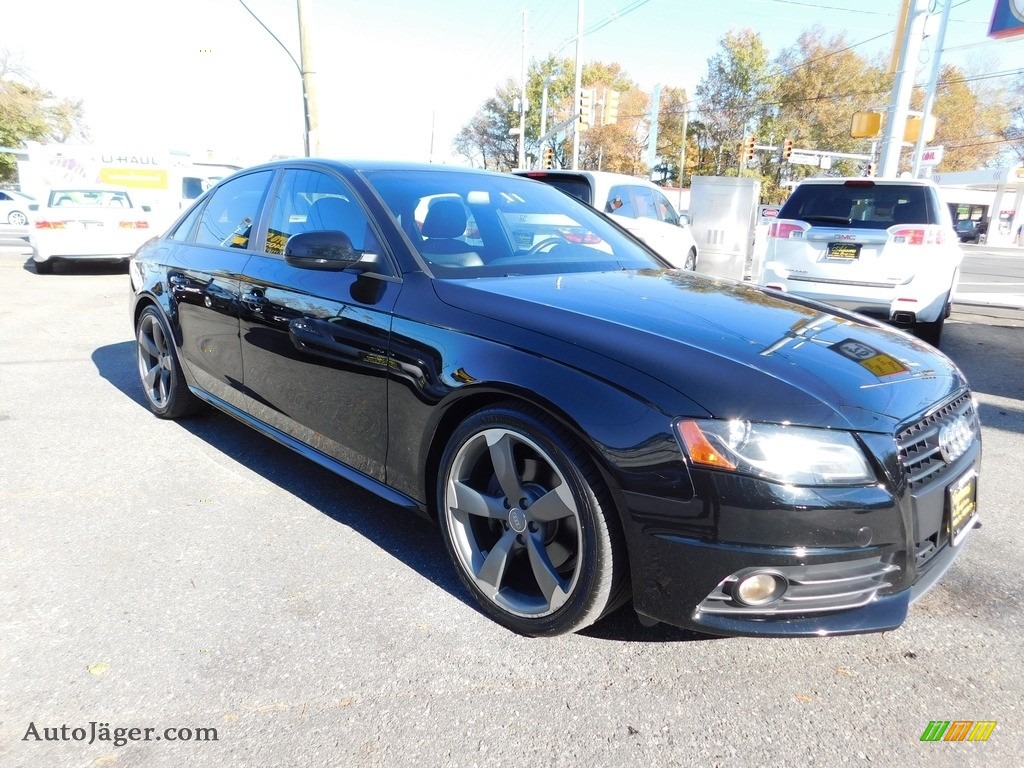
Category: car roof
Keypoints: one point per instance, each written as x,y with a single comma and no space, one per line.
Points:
867,181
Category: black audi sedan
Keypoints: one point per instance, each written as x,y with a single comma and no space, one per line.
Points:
586,425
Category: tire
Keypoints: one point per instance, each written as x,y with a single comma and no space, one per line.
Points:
930,332
691,260
17,218
163,383
44,267
529,524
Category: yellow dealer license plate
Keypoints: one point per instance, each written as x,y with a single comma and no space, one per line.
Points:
846,251
962,503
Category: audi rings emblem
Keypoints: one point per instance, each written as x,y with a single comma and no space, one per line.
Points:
955,438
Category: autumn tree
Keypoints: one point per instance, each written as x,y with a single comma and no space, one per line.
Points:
734,97
821,82
31,113
619,146
971,120
1013,133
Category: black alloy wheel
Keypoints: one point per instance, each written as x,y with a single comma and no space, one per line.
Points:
529,524
167,393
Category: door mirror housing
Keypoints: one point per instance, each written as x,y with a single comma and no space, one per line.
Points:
326,250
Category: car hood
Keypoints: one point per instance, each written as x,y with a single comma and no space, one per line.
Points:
736,350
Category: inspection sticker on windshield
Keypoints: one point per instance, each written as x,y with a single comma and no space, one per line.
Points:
877,362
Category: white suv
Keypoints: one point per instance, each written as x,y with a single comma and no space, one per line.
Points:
882,247
637,204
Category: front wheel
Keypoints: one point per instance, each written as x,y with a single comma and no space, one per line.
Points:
529,524
17,218
167,393
691,260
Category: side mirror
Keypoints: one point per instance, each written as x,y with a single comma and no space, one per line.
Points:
147,208
327,250
33,206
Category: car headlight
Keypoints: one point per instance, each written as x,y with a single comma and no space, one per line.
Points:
778,452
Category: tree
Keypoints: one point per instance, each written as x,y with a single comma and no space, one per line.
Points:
972,120
1013,133
734,96
485,139
821,82
31,113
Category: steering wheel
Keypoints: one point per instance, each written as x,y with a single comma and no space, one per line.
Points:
547,242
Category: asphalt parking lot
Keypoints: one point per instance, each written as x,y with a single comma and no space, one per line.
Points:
197,576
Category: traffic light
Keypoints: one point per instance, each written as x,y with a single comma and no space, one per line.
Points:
611,107
869,169
787,149
549,158
587,108
749,152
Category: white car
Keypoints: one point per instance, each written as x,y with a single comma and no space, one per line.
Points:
87,224
637,204
883,247
14,207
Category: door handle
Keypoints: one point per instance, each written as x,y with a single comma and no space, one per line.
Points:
255,300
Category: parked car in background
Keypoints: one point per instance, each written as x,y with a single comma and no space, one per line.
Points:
881,247
970,231
637,204
14,207
585,424
87,224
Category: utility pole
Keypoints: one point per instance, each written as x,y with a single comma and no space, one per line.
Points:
896,122
308,82
578,88
522,103
682,153
933,81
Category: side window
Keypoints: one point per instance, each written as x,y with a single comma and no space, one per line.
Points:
644,201
228,218
619,202
183,232
666,212
310,201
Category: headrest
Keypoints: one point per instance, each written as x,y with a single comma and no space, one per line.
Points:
445,218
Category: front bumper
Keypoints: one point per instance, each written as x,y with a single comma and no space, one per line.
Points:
851,560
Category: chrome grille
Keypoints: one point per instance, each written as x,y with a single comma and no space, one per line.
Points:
918,445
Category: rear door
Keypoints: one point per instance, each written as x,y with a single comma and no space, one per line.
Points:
206,253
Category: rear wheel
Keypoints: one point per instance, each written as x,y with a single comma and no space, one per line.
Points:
529,524
932,332
17,218
163,382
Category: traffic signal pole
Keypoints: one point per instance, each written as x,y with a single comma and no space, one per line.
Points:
578,87
896,123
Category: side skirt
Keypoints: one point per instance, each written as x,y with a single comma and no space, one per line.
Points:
343,470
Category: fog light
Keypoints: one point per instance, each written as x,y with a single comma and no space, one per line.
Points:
760,588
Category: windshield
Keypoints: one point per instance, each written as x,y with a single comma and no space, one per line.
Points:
89,198
484,224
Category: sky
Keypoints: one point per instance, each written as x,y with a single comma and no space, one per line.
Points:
395,79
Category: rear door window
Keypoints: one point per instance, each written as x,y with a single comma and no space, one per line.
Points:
228,218
619,202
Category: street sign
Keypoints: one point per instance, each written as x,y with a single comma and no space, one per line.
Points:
932,155
804,158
